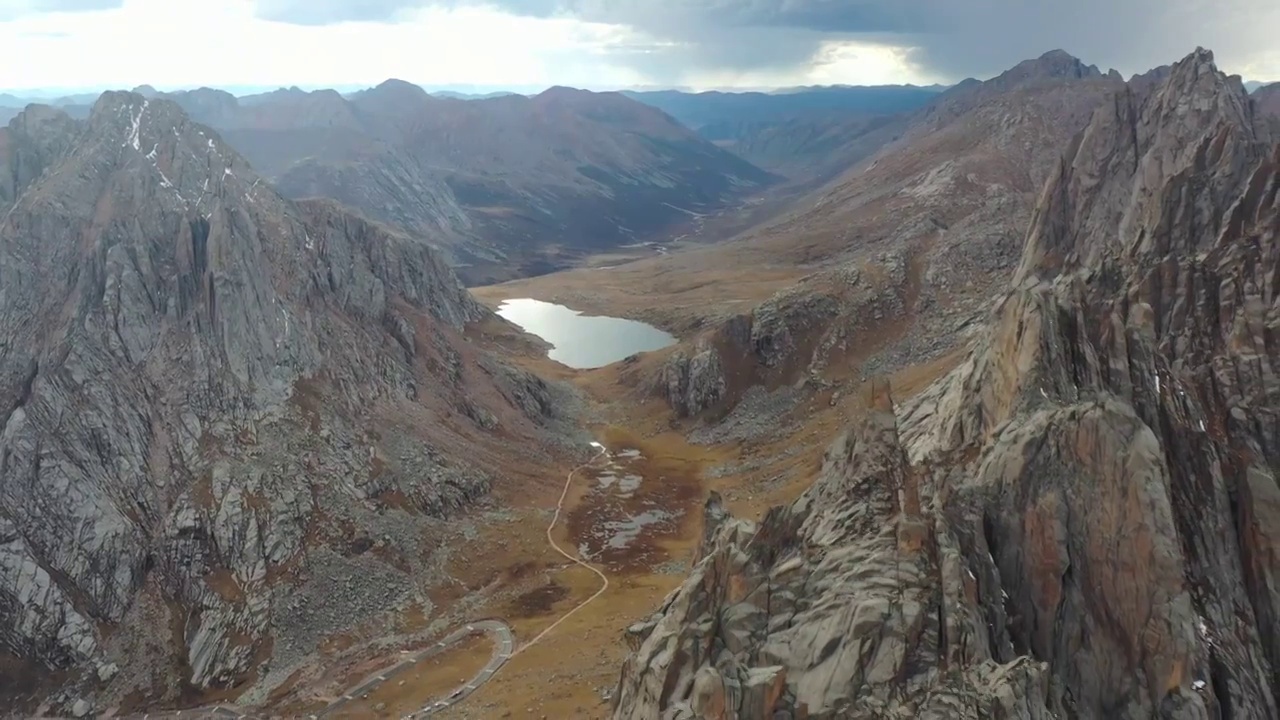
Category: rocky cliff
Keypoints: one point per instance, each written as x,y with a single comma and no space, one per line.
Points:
207,393
1081,519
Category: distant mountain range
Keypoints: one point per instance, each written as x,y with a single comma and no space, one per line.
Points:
56,98
507,186
499,180
711,109
511,185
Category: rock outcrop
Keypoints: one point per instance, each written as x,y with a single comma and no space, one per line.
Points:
693,383
1082,519
204,386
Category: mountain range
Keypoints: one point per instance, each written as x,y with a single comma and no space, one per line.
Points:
971,412
505,187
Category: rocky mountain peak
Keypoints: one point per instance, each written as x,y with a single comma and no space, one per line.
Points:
1053,65
393,85
134,118
1049,72
396,102
193,172
394,95
1194,119
1063,64
1197,77
563,92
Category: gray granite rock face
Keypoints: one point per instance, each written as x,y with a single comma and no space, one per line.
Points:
1081,519
693,384
202,384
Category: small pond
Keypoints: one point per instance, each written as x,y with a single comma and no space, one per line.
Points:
583,341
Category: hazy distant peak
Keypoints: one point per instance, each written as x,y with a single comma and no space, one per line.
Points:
1267,99
1058,56
564,91
399,86
588,101
293,92
393,97
38,113
392,94
1053,64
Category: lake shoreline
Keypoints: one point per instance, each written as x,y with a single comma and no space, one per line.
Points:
579,341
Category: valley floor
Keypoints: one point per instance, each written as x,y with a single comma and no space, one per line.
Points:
572,673
635,515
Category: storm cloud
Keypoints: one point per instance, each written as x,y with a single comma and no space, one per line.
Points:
948,39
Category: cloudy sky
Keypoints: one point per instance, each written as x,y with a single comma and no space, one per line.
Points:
91,44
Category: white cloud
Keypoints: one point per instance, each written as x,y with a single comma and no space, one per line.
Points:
178,43
185,43
837,61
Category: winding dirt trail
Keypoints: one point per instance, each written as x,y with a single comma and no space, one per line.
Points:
604,580
501,631
504,643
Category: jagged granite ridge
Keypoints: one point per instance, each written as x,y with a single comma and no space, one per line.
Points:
202,384
1095,533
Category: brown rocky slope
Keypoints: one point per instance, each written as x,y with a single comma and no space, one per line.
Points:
218,404
1081,520
905,251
